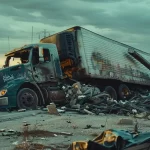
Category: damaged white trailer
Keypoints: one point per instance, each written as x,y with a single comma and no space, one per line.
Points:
100,61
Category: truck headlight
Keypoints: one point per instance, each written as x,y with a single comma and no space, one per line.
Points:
3,92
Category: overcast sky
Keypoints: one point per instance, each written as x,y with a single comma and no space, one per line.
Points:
127,21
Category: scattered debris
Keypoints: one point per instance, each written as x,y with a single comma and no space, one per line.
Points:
102,126
148,117
33,114
125,121
60,111
21,110
68,121
86,99
26,124
141,115
10,130
66,133
10,133
101,114
45,109
15,143
74,126
88,112
52,109
2,130
88,126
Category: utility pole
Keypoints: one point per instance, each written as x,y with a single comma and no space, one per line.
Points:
44,32
32,35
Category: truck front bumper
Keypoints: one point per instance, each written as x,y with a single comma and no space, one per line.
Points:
3,101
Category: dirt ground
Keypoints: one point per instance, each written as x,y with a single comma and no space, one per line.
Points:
57,132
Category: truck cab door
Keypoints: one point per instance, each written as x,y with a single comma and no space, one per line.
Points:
42,65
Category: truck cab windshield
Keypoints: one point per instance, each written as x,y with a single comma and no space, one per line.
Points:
19,57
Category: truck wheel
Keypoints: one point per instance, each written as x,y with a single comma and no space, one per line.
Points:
112,92
27,99
123,92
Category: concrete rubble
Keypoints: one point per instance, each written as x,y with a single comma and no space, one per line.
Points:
87,99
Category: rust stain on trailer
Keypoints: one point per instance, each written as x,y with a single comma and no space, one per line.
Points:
115,71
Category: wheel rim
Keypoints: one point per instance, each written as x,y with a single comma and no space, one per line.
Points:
125,92
27,99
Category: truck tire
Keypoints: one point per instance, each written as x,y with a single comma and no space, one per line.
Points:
123,92
27,99
112,92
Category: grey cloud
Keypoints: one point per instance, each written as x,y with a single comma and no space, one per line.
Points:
128,22
59,13
114,1
124,16
6,31
54,13
103,1
13,12
34,4
50,10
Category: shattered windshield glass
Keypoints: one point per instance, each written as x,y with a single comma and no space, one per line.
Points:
19,57
14,61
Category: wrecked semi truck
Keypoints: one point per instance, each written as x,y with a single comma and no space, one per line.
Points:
91,58
30,77
33,74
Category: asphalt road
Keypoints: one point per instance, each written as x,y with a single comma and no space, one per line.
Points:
55,131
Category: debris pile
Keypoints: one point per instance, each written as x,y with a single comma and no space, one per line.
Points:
87,99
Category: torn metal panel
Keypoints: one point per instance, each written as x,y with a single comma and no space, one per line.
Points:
138,57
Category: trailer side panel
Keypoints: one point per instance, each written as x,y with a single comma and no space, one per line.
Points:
108,59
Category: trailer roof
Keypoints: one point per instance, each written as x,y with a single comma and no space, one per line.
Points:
69,29
79,27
